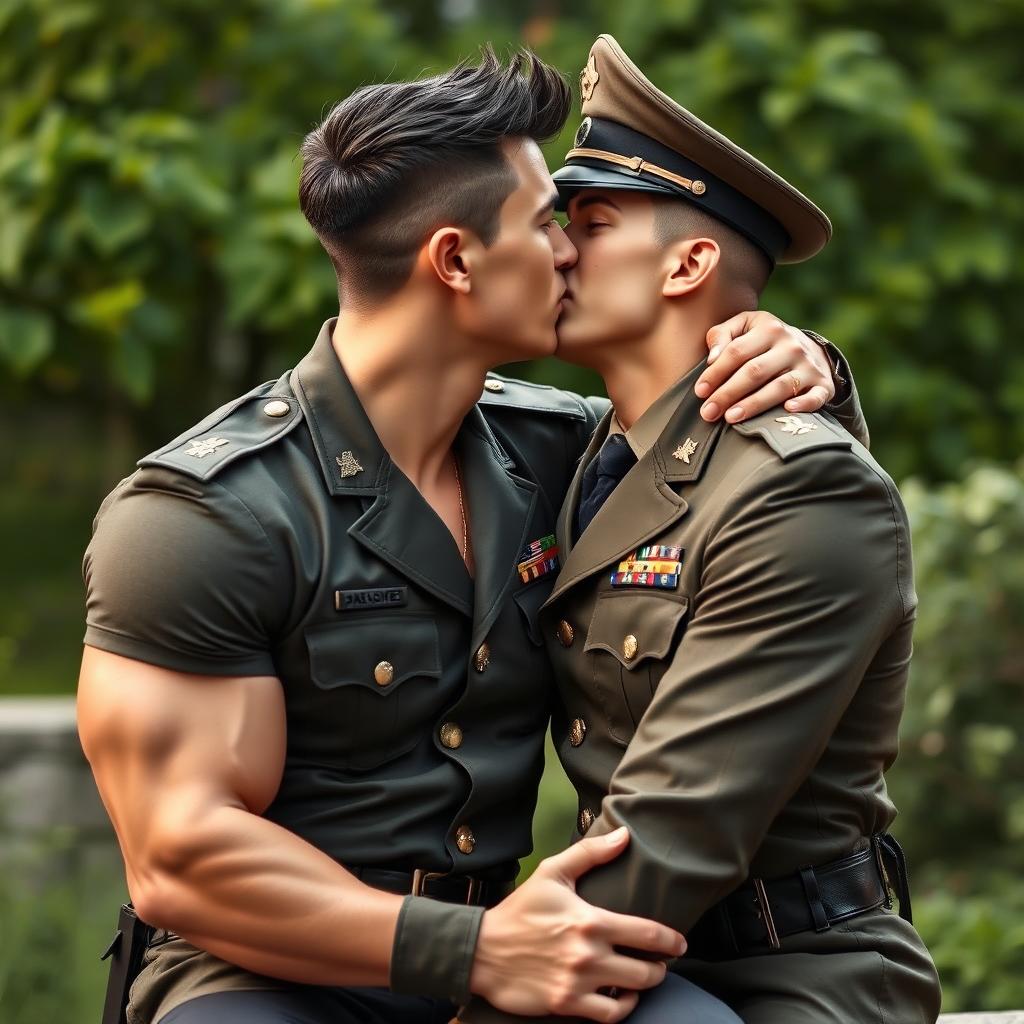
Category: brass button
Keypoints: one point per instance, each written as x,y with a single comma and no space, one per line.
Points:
585,820
494,386
464,839
566,634
577,731
277,408
482,658
629,647
384,673
451,736
698,188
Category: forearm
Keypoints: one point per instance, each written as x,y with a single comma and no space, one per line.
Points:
254,894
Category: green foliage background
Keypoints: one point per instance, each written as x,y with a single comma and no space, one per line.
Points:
153,263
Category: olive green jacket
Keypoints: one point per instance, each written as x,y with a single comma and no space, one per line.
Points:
740,722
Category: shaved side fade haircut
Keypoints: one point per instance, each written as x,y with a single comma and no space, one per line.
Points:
394,162
744,268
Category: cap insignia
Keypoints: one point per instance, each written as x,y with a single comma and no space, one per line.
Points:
583,131
589,78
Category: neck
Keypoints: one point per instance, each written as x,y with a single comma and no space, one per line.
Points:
641,370
414,384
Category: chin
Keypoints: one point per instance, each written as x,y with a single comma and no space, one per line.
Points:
570,341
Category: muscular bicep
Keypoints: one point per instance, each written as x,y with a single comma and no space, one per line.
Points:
168,747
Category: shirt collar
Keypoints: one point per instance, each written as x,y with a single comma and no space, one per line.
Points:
643,435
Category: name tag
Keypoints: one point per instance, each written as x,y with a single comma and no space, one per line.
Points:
365,600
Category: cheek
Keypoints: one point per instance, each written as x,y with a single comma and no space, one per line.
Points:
617,291
520,283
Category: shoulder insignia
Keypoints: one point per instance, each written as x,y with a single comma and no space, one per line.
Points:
242,426
508,392
791,434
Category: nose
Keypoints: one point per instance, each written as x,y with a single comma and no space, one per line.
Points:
565,251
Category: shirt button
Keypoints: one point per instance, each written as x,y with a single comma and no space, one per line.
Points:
585,820
464,839
566,634
577,731
629,645
494,386
451,736
482,658
384,673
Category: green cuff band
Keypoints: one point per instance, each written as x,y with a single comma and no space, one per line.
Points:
434,947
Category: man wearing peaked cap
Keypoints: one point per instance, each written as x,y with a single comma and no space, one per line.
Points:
731,624
635,138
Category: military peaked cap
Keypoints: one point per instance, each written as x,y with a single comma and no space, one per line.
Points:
634,137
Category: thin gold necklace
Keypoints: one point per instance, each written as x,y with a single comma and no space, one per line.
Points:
462,509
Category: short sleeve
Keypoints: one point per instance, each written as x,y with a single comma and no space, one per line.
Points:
181,574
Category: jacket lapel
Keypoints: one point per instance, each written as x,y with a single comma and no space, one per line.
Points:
641,506
398,525
501,508
645,503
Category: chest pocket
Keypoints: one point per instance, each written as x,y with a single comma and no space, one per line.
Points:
630,635
380,676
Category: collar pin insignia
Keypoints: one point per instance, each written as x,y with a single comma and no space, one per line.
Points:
685,450
348,464
795,425
200,449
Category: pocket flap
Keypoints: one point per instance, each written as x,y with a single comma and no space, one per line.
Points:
349,653
650,620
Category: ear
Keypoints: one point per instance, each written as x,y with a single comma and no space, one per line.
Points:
691,263
450,253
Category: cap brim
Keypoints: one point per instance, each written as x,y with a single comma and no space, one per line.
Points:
573,178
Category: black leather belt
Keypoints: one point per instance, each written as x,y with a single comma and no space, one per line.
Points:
760,913
476,892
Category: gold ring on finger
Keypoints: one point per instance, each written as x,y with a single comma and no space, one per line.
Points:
797,384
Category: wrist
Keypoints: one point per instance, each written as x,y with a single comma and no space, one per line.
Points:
836,365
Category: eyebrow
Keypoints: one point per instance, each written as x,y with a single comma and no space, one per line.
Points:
549,205
591,200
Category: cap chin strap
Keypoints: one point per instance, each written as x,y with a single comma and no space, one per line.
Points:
637,164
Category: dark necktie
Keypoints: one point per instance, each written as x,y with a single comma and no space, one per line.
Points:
601,477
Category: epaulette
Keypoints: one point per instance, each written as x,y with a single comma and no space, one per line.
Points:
241,427
508,392
792,434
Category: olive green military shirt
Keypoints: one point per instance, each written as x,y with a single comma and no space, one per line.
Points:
739,714
278,538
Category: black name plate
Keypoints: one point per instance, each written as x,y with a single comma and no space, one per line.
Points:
365,600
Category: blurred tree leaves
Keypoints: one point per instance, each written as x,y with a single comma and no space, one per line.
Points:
149,230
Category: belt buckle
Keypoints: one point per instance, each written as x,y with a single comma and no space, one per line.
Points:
765,913
883,874
421,877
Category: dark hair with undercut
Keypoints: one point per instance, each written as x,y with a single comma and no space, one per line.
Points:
393,162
